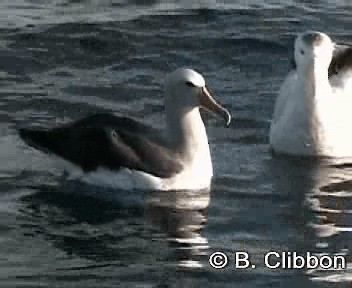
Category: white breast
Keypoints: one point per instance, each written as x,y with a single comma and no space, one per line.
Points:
289,132
332,127
196,175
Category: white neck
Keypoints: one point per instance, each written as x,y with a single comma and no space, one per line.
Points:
316,89
316,81
187,133
188,139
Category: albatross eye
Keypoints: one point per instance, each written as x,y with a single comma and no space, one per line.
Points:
302,52
190,84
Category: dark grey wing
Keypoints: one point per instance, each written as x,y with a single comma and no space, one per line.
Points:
291,52
118,122
148,155
85,147
101,141
293,63
341,60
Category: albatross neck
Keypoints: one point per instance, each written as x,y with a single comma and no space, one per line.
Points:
316,80
187,133
316,87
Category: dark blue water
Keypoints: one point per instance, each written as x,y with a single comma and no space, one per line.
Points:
68,59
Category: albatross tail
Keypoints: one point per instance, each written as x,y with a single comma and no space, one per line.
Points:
35,138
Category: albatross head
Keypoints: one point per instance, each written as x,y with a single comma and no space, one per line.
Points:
185,90
313,47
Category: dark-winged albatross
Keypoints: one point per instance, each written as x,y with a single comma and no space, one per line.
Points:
312,115
111,145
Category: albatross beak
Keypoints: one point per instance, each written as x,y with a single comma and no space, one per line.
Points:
208,102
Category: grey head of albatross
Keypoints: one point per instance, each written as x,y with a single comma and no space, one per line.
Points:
186,90
313,49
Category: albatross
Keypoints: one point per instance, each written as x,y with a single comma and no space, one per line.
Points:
312,114
122,148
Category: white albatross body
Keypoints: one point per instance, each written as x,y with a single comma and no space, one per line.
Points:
120,152
312,114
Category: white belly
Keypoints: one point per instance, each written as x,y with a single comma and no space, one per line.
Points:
127,179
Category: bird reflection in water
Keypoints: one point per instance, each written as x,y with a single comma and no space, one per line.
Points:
321,190
181,215
330,201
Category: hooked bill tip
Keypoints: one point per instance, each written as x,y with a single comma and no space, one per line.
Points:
227,117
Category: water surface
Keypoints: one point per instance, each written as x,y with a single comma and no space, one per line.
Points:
68,59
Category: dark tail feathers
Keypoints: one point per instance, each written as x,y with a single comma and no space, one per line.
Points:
36,138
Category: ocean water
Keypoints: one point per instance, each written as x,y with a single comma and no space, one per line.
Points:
71,58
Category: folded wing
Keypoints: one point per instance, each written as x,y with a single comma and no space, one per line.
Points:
105,140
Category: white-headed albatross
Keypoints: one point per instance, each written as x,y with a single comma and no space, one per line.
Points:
177,159
312,115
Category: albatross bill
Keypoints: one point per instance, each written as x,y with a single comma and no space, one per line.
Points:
174,159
